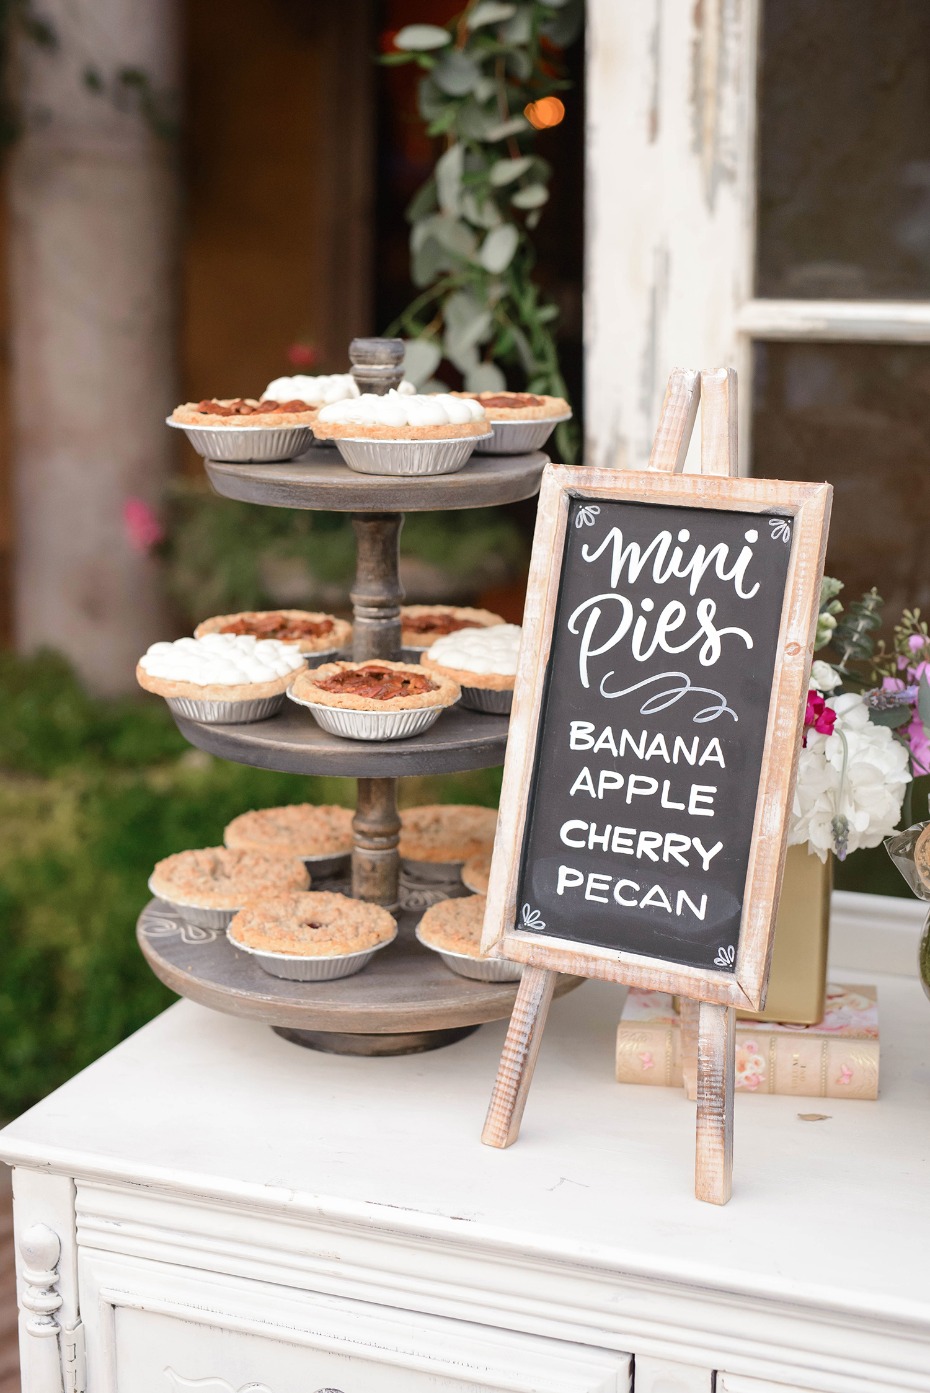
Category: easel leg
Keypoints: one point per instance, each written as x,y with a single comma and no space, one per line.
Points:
689,1045
716,1067
518,1058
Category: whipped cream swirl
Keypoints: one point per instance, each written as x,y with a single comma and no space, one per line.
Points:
321,390
490,650
224,660
400,409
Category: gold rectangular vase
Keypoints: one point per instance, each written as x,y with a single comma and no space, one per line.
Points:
798,979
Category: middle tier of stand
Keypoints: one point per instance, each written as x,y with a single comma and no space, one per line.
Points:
293,743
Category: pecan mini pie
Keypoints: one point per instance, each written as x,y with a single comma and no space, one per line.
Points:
244,411
208,886
310,630
374,700
446,833
518,406
476,873
482,661
453,929
320,834
422,625
220,677
312,937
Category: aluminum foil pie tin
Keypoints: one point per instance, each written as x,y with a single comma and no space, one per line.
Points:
324,655
197,915
310,969
486,699
322,867
372,725
432,872
421,457
226,712
519,437
247,444
479,969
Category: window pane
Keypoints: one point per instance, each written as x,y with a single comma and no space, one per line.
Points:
844,172
857,415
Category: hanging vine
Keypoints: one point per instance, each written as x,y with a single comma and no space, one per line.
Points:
485,75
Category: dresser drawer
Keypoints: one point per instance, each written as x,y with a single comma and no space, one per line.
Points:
155,1328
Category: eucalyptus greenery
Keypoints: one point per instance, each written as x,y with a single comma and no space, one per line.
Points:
472,255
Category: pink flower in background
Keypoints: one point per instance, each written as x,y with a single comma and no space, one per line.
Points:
141,525
915,733
303,355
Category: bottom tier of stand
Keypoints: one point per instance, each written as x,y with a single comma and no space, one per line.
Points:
405,1001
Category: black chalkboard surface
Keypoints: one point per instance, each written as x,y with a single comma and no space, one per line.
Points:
652,727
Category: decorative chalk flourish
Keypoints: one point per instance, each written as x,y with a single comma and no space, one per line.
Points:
586,515
166,926
532,919
659,701
726,957
781,530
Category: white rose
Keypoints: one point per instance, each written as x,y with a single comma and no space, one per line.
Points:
824,678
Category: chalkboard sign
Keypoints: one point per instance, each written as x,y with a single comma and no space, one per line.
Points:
657,718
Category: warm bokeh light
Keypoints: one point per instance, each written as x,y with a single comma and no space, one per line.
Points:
548,111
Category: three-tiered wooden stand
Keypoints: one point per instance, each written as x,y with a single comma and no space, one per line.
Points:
406,999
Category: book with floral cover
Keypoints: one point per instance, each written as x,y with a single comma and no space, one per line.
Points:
837,1058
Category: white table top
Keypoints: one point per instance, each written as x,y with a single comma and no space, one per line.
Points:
831,1213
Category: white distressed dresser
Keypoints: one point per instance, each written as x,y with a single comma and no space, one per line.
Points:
212,1208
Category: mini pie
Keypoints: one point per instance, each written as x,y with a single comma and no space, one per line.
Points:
446,832
314,925
219,667
244,411
477,657
421,625
219,878
375,685
397,416
321,390
310,630
518,406
476,873
454,926
302,829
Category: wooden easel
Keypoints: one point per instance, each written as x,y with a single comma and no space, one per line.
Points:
712,1024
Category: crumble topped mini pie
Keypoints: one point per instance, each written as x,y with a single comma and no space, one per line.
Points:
227,667
310,630
446,832
244,411
518,406
218,878
375,685
454,926
477,657
314,925
396,416
301,829
476,873
422,625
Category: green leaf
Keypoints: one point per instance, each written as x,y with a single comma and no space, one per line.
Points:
429,260
486,377
485,88
468,323
923,700
463,358
472,120
443,122
423,202
490,12
501,130
565,26
498,248
430,101
449,179
481,213
456,73
455,236
421,359
894,717
420,36
520,64
533,218
547,313
506,171
519,30
532,196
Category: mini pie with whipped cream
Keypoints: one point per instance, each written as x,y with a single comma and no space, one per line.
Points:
319,924
396,416
321,390
477,657
518,406
422,625
375,685
455,926
449,833
216,877
309,630
300,829
219,667
244,411
476,873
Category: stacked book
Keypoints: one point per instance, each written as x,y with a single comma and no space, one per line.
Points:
837,1058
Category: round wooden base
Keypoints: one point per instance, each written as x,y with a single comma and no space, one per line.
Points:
405,1000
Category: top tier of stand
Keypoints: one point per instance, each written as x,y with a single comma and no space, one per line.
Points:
320,480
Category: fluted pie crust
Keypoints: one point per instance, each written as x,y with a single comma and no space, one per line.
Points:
299,829
213,691
491,681
306,688
320,924
454,926
446,832
419,638
188,415
216,877
361,430
338,636
549,406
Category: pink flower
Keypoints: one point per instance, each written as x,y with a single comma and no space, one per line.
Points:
846,1074
647,1060
915,733
303,355
141,525
818,716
